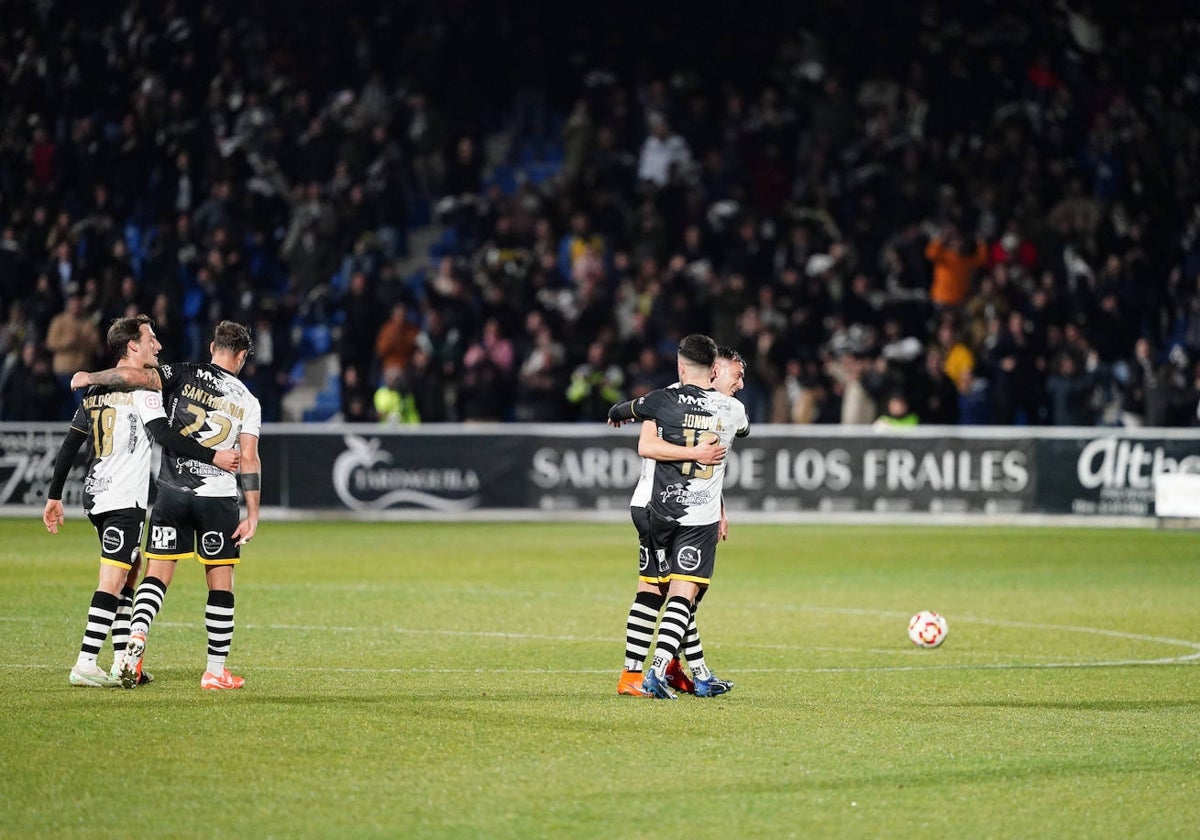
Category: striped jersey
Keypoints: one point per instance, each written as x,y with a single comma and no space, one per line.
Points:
645,485
684,491
213,407
119,449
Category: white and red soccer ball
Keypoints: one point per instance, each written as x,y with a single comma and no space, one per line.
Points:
927,629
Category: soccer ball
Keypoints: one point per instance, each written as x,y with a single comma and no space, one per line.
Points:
927,629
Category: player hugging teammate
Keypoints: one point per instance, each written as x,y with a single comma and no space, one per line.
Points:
685,509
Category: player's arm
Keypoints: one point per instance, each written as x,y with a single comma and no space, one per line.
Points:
723,527
622,413
52,516
643,408
187,447
251,487
120,379
650,445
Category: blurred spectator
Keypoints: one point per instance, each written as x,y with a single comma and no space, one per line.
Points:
30,390
937,394
394,401
662,152
954,261
73,338
595,385
896,413
396,340
541,378
357,399
1070,391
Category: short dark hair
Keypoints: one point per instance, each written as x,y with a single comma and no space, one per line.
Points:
698,349
124,330
728,353
233,337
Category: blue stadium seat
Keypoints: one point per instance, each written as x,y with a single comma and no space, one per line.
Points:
445,246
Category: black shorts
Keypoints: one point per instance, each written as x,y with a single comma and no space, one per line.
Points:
120,533
651,571
183,525
689,551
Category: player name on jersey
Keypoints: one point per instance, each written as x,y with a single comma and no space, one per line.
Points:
213,401
112,398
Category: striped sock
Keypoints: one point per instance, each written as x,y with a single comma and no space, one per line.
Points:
671,631
639,628
120,627
693,651
100,617
218,619
146,603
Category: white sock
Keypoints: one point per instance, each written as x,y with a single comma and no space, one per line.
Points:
216,665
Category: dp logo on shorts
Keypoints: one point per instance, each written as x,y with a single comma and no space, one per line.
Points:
162,537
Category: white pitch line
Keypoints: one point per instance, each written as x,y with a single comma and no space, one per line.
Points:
1097,631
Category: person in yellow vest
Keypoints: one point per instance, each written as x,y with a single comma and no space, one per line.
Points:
897,414
394,401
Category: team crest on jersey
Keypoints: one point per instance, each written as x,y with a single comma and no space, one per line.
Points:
112,540
688,559
212,542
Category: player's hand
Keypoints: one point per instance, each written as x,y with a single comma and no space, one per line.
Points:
82,379
228,460
616,424
723,527
53,515
707,453
245,531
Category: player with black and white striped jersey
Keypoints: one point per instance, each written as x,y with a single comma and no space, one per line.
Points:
119,428
729,378
685,503
196,511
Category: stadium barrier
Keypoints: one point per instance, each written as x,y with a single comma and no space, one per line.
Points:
779,473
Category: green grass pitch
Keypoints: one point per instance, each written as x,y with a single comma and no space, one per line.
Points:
458,680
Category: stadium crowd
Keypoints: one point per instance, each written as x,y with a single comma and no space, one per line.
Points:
897,212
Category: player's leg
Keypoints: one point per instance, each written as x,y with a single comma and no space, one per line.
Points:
118,540
692,555
693,650
218,519
643,612
120,628
171,538
639,634
671,630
